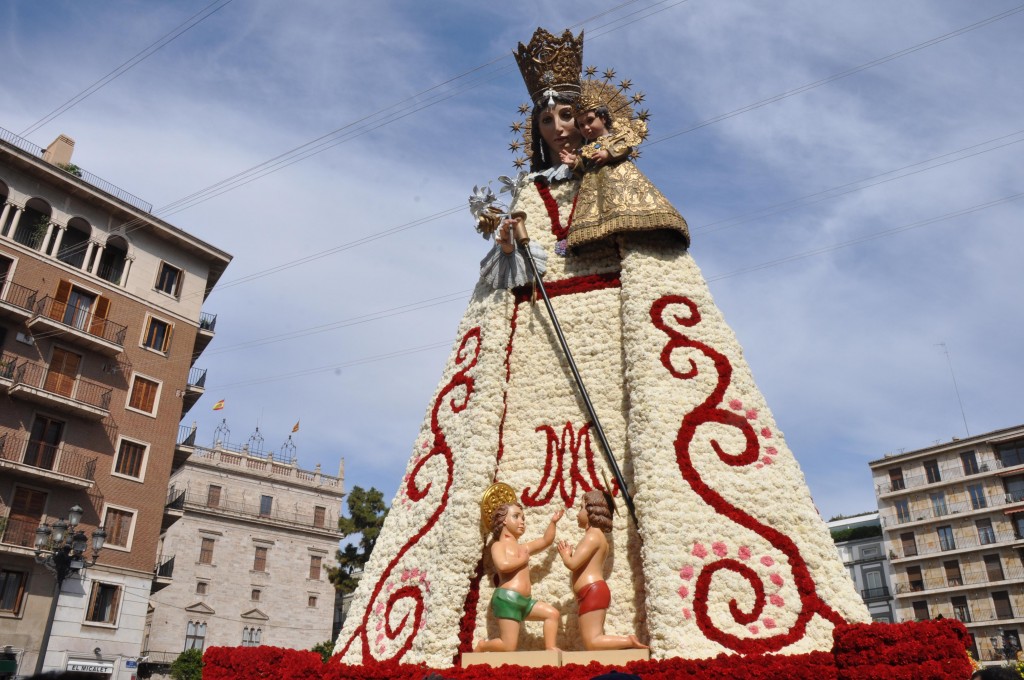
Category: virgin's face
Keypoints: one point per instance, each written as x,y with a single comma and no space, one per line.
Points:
558,128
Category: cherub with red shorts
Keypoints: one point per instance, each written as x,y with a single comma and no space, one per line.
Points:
586,562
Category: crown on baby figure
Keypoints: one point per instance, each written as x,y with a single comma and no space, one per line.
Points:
551,65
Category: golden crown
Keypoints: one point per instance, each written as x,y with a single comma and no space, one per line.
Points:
551,64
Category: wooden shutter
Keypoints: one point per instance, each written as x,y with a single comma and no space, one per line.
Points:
60,300
167,338
60,378
99,316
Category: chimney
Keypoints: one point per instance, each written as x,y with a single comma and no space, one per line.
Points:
60,150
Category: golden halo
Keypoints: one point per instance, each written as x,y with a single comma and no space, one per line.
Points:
494,497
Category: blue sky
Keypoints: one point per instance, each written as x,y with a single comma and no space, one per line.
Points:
843,343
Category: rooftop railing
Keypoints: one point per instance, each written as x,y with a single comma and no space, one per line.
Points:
202,502
84,175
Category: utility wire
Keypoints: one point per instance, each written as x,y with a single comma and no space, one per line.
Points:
190,23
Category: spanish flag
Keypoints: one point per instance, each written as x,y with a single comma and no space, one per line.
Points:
296,428
219,405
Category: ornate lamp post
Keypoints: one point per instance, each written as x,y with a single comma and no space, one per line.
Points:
61,549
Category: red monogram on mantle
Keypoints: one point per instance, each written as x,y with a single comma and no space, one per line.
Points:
565,476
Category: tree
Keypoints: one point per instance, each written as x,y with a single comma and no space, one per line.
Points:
325,649
188,665
366,510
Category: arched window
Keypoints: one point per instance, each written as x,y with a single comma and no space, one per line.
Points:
74,244
251,636
33,224
195,635
112,262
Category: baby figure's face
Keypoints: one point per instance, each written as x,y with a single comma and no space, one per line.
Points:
591,125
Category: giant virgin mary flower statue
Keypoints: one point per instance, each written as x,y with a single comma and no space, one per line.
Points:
727,554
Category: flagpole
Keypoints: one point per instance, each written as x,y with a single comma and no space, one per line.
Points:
523,240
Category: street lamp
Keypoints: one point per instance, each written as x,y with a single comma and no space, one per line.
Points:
61,549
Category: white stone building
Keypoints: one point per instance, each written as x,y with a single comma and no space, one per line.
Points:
251,549
864,556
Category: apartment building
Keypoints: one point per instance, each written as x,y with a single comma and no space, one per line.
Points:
861,547
100,322
953,520
251,550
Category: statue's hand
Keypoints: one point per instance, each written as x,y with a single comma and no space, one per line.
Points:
504,236
565,549
557,516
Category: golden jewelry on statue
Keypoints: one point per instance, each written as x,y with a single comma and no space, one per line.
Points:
551,65
629,127
494,497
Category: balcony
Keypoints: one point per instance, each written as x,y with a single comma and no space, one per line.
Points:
79,325
8,362
978,578
185,445
875,593
16,301
931,512
927,546
200,502
195,388
207,322
947,474
77,396
162,574
173,510
62,465
20,533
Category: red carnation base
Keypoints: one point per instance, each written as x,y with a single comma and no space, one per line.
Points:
927,650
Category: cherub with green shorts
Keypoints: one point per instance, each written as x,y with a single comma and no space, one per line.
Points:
511,602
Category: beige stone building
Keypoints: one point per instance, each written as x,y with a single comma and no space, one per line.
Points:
101,320
953,520
251,549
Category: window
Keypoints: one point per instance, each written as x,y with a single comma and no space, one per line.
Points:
103,603
870,551
44,442
12,590
202,587
994,568
938,503
909,544
960,610
1001,600
62,373
896,479
266,505
319,516
259,562
1011,453
169,279
206,551
953,575
311,602
195,635
158,335
970,463
143,396
25,517
118,523
921,610
213,496
914,579
255,595
130,458
977,493
251,637
902,511
931,471
946,541
314,567
985,533
1014,488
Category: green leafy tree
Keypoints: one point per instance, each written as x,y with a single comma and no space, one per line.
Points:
188,665
325,649
366,513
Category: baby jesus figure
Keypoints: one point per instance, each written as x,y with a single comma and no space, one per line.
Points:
586,562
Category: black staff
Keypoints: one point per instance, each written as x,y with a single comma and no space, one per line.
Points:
523,239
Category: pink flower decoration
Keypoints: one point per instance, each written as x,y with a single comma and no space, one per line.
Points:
771,450
414,573
686,573
405,574
687,614
766,433
759,466
744,552
684,591
379,638
389,587
777,601
754,630
425,444
776,579
767,561
380,650
699,550
736,405
768,623
766,460
720,548
380,624
751,414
